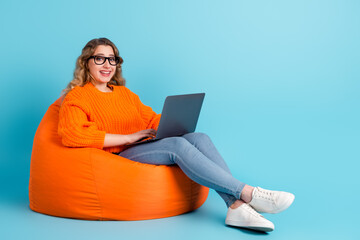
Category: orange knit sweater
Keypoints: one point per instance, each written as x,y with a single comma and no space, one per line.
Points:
86,114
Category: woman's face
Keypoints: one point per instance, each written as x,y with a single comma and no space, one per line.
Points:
104,72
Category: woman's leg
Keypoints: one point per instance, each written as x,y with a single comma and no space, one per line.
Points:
204,144
214,174
194,164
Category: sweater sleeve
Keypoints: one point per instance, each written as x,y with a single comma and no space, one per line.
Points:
75,129
151,118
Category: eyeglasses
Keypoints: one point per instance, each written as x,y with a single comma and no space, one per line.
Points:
99,60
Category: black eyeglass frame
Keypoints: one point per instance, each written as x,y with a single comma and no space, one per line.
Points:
117,60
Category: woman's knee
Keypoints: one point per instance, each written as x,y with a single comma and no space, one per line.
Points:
197,137
177,142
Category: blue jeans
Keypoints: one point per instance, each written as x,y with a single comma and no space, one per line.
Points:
197,157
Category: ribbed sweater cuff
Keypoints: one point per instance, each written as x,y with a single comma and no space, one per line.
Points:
99,140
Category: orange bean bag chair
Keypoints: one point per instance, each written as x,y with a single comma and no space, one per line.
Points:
89,183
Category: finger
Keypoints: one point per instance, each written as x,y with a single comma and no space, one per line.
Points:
151,135
150,132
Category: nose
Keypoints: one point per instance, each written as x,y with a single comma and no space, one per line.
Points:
107,63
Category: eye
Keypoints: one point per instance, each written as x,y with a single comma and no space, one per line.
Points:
112,59
99,59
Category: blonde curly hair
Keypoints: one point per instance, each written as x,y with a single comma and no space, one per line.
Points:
82,74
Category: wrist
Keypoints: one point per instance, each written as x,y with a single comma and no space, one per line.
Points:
127,139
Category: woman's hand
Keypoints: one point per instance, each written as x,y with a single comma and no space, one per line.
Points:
147,133
113,140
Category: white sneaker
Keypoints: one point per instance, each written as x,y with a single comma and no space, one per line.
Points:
245,216
270,201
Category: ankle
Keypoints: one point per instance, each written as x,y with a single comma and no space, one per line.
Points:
237,204
246,194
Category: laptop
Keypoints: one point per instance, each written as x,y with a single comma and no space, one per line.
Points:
179,116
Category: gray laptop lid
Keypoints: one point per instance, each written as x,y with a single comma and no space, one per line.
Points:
180,115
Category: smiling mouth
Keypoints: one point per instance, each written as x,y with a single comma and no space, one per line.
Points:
105,73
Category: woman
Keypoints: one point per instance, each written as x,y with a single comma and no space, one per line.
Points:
99,111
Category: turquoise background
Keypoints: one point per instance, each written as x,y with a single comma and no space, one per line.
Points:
282,102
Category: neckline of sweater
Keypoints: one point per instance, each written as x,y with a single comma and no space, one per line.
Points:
98,91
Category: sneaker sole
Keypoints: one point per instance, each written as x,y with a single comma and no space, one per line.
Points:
252,227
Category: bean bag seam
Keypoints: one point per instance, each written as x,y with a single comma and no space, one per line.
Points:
95,182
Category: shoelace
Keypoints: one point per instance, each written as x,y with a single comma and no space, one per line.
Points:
252,211
265,194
